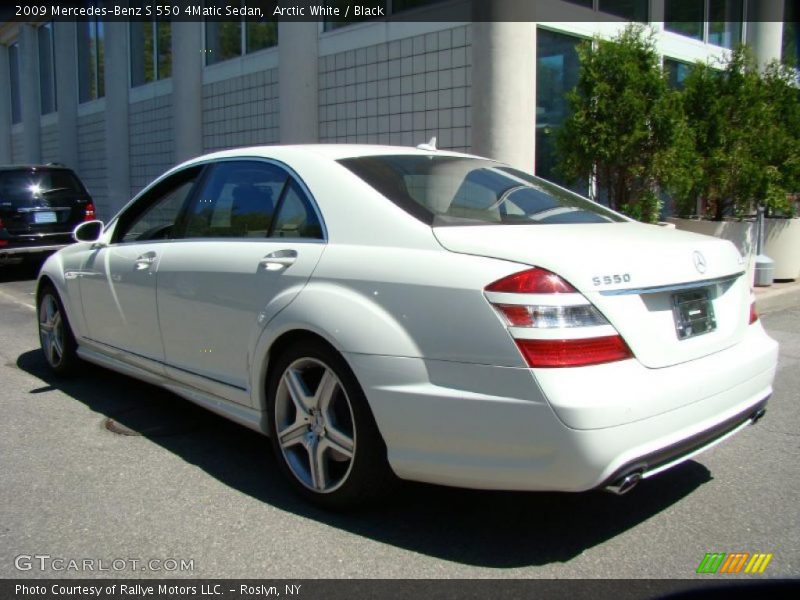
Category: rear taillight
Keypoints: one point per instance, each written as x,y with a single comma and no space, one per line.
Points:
3,242
90,215
574,353
532,281
535,304
753,312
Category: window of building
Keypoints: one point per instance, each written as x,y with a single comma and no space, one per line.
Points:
330,23
725,22
632,10
150,51
791,34
13,70
91,60
723,17
229,39
685,17
47,70
556,74
676,71
401,5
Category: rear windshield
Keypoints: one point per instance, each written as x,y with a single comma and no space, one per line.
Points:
446,190
27,184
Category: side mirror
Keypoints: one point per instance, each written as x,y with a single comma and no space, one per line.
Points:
90,231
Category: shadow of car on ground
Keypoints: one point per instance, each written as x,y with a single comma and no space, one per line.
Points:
479,528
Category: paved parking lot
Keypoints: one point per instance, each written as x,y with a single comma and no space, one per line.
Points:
195,488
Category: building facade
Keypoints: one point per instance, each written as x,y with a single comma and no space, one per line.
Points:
122,102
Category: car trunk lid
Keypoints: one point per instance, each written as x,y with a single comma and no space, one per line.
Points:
674,296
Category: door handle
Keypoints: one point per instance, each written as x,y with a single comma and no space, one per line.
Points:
280,259
145,261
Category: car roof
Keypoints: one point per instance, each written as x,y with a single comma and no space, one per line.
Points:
329,151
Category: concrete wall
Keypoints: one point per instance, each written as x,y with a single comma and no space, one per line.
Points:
49,143
17,148
92,160
151,140
242,111
400,92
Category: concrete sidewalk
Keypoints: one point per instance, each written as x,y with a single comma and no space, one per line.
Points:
778,296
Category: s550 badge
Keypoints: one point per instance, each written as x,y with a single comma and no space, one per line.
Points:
611,279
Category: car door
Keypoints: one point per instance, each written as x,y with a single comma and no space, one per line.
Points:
118,281
251,239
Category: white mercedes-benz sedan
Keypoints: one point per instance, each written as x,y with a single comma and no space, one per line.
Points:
384,313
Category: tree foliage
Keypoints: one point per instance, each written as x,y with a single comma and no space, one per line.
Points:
623,124
744,147
726,142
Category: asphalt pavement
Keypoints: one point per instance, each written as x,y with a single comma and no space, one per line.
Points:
192,488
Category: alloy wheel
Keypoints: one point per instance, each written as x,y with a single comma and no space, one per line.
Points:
51,330
314,425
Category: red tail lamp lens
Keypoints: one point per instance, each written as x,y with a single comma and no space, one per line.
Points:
574,353
532,281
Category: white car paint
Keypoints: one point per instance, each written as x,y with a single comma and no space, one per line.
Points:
404,303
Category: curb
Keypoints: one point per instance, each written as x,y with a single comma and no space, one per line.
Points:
771,300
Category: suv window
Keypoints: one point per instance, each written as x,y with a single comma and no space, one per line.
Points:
448,190
19,186
154,216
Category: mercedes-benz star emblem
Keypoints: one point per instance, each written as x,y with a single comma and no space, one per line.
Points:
699,262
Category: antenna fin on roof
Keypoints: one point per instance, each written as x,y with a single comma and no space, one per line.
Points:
431,145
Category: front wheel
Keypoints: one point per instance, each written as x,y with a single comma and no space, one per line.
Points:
55,334
322,430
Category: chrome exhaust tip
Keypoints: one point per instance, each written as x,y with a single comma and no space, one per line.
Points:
624,484
758,415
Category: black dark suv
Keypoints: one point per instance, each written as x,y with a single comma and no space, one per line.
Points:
39,208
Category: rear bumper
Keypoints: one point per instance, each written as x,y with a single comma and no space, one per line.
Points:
17,253
16,247
492,427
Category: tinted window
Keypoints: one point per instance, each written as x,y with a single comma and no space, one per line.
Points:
21,185
296,217
443,190
237,200
154,216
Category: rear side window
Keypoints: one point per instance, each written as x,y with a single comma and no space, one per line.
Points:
445,190
251,199
25,184
237,199
296,217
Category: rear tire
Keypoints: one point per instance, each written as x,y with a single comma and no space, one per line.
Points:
55,333
322,430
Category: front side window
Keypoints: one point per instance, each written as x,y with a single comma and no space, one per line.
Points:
443,190
91,60
47,68
150,51
13,71
155,215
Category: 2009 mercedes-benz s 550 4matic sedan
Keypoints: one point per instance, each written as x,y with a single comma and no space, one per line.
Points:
388,313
